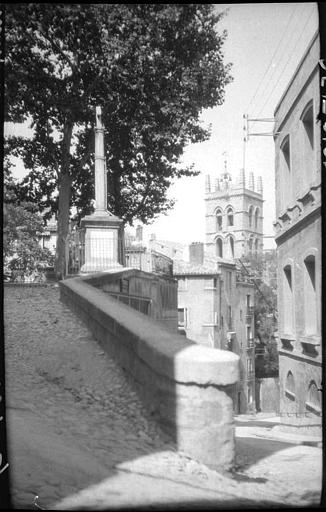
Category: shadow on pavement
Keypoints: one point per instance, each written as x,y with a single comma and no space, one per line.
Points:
198,505
250,450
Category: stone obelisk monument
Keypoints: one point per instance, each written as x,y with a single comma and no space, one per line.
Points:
103,230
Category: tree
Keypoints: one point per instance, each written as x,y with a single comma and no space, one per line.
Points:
22,227
21,232
151,67
262,270
265,326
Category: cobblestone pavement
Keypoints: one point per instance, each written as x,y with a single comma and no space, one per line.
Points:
74,421
58,372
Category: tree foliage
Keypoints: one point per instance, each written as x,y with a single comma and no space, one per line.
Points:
22,227
263,267
151,67
21,233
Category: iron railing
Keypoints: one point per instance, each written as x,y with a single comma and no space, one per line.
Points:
259,351
250,343
75,256
102,251
141,304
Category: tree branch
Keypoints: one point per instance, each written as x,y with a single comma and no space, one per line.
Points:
145,195
57,47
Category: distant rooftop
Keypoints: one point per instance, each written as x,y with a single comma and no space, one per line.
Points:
208,267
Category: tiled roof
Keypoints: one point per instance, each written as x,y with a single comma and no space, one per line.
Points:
209,267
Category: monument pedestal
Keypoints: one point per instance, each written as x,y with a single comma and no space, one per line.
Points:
103,242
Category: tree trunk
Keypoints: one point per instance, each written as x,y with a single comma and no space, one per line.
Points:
64,203
63,225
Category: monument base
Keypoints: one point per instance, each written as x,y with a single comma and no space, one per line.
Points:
103,242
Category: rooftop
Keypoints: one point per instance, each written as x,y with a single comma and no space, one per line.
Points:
210,266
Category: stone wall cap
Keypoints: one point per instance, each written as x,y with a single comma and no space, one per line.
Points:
114,274
206,365
206,354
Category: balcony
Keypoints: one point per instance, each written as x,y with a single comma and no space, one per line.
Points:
250,312
260,351
310,340
287,342
310,345
250,343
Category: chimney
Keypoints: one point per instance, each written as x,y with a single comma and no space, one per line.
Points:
251,181
139,233
260,185
196,253
207,183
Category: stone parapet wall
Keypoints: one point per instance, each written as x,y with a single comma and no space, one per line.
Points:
187,387
159,290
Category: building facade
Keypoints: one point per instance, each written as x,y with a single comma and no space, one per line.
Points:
137,255
215,309
298,239
234,216
173,250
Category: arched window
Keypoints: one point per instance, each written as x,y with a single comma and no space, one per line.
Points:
256,246
285,172
313,399
307,119
256,217
219,218
310,295
288,299
285,148
290,386
250,242
219,247
308,143
250,215
232,246
229,214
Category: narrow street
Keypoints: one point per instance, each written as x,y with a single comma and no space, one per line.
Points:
79,436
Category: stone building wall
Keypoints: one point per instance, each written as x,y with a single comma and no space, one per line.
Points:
198,296
298,238
213,306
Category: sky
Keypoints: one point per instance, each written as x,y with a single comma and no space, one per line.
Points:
265,43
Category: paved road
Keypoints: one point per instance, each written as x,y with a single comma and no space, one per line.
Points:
80,437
